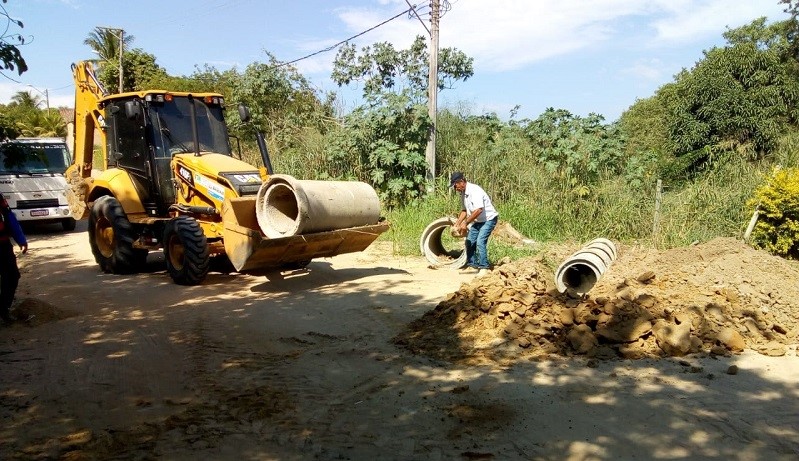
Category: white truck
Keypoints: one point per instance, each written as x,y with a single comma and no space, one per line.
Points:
32,180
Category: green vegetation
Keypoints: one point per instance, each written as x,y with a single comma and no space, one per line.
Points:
778,202
26,116
711,138
10,40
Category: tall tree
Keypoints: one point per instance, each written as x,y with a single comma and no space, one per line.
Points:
26,100
280,99
10,56
743,94
393,125
105,43
383,69
138,69
738,100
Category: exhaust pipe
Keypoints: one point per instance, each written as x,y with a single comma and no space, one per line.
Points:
582,270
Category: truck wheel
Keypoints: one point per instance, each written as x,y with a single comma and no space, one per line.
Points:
68,224
186,251
111,238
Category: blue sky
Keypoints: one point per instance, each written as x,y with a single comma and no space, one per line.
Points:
580,55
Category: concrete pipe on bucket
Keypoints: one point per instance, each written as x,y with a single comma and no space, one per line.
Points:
286,206
582,270
450,254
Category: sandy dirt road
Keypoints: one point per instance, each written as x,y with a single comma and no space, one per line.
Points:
295,366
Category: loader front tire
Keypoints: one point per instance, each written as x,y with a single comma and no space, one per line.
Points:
111,238
186,251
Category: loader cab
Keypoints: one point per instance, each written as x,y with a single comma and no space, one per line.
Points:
144,131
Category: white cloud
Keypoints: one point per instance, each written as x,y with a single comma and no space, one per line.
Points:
511,34
650,69
7,90
505,35
687,20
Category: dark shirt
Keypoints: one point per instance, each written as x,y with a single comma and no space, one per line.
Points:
10,226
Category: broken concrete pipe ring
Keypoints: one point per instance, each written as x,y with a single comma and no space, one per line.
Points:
286,206
434,249
582,270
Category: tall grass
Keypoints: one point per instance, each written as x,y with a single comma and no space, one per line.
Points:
499,157
709,206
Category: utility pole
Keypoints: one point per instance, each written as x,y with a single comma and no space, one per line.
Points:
432,91
121,33
46,94
121,49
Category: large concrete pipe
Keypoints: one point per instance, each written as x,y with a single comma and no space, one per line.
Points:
450,254
582,270
286,206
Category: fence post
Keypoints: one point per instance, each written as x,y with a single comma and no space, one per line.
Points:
656,223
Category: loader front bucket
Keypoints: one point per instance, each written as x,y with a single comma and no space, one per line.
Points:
249,249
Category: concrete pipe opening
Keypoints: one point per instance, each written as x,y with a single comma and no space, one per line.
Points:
282,214
582,270
440,247
286,206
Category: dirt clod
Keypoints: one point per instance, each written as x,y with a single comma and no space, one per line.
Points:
718,297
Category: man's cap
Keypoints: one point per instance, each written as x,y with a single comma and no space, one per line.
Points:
456,176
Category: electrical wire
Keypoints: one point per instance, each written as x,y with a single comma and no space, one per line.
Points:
332,47
5,37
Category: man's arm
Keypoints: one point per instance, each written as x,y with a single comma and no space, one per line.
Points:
16,232
461,218
462,223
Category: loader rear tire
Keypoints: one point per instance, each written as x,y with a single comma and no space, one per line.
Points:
186,251
111,238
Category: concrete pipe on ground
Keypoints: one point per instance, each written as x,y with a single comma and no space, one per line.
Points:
440,247
582,270
286,206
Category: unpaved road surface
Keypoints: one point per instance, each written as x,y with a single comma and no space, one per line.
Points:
301,365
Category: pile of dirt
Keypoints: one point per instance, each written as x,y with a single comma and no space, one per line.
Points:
34,312
718,297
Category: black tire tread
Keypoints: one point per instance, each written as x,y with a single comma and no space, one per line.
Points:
196,260
125,259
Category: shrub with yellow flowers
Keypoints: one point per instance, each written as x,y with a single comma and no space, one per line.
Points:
777,229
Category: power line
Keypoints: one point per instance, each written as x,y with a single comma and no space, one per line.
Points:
332,47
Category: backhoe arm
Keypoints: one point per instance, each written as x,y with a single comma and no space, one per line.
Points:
88,117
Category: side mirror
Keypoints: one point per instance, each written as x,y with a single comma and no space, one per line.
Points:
244,113
132,110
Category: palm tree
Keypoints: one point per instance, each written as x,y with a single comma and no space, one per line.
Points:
42,124
26,99
105,42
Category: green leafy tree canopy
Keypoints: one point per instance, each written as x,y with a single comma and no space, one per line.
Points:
10,55
386,138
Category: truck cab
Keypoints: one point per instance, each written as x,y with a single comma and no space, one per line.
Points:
32,180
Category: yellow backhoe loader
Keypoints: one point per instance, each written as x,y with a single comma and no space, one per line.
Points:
169,181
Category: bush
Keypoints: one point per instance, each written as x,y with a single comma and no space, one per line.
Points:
777,229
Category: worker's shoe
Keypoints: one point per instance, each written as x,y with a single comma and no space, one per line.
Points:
469,270
483,272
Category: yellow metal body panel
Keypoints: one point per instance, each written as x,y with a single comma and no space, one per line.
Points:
119,183
205,171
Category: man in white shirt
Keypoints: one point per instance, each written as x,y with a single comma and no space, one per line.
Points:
477,210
